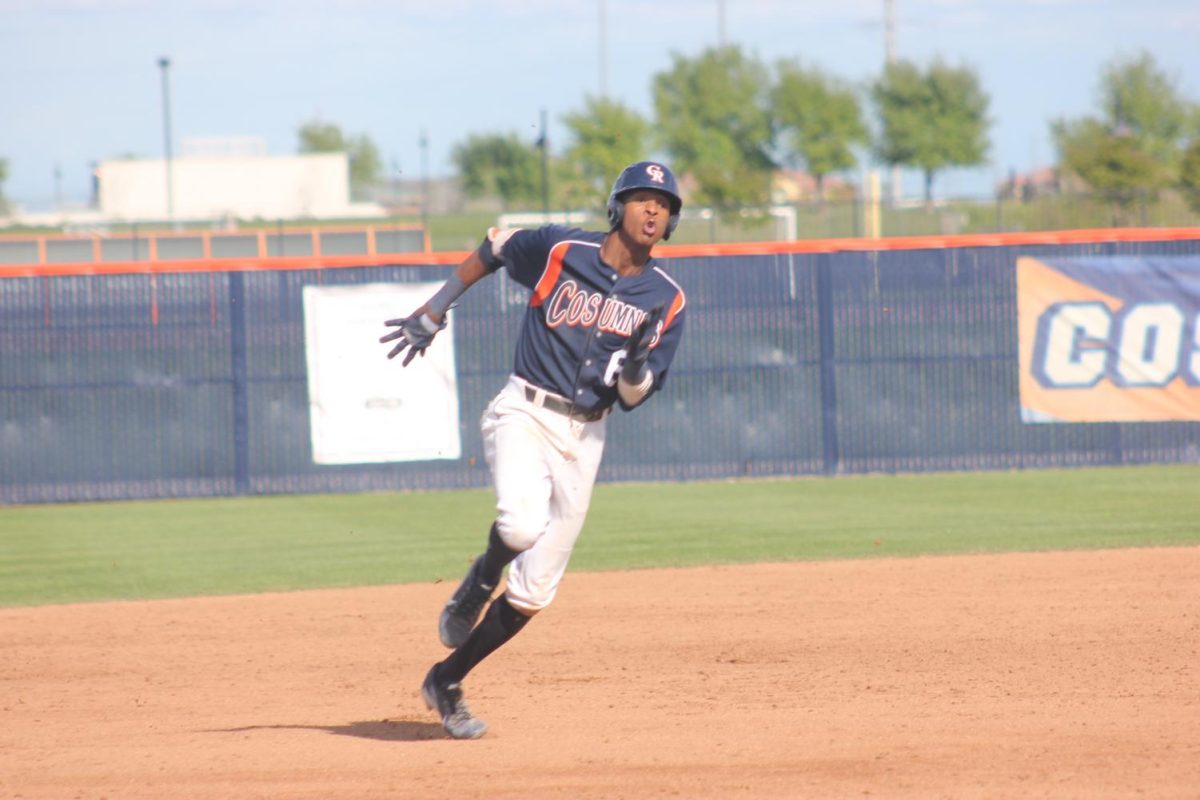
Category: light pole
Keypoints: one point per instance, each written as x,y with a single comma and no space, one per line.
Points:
603,54
424,143
544,144
889,31
889,58
164,64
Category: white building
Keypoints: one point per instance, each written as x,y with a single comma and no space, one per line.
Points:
229,186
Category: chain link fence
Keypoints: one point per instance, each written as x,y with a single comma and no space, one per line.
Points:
193,384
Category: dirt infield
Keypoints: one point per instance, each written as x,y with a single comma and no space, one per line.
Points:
1059,675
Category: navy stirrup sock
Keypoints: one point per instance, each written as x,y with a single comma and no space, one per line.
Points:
495,559
501,623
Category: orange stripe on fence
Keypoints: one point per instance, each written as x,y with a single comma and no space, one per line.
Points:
733,249
248,264
1084,236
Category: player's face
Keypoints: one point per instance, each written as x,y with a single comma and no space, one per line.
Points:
646,215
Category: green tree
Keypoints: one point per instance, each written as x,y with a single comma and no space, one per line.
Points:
931,119
1141,100
3,178
818,118
366,165
575,190
607,137
1133,147
713,121
1189,174
1114,163
321,137
502,166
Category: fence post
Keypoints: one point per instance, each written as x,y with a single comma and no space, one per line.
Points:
1116,448
829,438
240,374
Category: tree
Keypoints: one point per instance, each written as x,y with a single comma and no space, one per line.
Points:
819,119
3,178
713,121
1189,175
1141,100
608,136
366,165
501,166
931,120
1133,148
321,137
574,189
1115,164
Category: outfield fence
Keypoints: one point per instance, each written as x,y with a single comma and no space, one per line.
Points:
139,379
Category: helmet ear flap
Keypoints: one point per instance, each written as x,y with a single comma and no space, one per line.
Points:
616,212
672,224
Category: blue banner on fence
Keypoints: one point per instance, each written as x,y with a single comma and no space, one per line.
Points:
1109,339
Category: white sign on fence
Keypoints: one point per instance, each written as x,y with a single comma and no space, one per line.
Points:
364,408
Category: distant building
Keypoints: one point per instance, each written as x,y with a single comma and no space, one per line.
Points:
220,179
218,186
408,196
794,186
1040,182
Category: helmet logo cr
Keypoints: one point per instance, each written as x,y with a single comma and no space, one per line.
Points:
655,172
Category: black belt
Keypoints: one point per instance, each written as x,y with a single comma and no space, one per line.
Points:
562,406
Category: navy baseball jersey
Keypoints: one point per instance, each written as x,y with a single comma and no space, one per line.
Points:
581,312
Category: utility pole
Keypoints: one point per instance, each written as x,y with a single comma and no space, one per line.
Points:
603,53
889,55
424,144
889,31
164,64
544,144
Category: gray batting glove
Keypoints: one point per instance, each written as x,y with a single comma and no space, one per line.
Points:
415,332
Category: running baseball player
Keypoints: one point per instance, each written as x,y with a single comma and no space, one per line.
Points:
601,328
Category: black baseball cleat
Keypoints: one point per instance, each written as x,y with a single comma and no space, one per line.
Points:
462,610
447,700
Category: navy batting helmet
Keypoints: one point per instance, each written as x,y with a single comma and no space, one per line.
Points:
644,175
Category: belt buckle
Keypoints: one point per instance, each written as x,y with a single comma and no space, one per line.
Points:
536,396
543,399
548,400
590,416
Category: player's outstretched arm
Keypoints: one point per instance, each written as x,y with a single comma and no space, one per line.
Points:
416,331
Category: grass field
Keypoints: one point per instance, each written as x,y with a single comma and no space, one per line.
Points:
174,548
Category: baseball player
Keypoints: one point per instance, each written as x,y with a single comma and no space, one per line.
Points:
601,328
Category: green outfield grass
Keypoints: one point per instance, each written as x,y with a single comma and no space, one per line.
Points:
171,548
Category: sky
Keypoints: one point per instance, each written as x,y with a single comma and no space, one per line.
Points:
80,80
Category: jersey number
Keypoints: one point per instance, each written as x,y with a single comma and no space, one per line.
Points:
614,367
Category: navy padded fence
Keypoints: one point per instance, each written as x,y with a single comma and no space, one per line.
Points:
190,384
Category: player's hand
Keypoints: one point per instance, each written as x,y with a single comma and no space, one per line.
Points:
637,346
415,332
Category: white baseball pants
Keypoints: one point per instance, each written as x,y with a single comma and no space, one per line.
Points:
544,466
